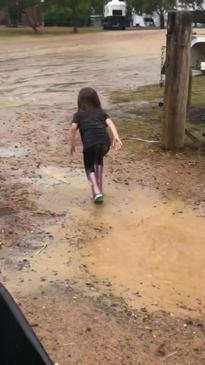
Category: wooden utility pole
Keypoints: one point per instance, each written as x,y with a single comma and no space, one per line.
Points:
178,63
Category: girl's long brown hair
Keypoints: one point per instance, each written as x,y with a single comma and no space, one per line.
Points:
88,99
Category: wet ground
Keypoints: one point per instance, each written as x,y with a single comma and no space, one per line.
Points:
104,284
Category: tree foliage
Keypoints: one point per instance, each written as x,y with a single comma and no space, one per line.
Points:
77,12
160,6
56,15
194,4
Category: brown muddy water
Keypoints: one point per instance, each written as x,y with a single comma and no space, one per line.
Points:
146,254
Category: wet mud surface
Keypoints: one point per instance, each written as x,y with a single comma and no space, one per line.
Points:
121,283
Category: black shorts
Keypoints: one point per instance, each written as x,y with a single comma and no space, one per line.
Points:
94,156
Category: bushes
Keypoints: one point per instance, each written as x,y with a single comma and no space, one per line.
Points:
57,16
63,16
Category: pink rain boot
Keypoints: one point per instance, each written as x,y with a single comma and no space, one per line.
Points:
98,197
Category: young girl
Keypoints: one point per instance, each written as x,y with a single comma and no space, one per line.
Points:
92,122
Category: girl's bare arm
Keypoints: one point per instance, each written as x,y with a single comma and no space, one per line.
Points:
117,143
73,131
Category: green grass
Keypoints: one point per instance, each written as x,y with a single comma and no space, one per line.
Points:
198,91
196,125
144,121
26,32
144,93
152,93
145,124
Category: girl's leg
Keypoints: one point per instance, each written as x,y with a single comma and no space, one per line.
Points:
92,189
99,176
94,184
89,162
103,150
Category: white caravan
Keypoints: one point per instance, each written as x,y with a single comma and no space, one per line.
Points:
115,13
198,53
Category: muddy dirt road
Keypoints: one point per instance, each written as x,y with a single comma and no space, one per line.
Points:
121,283
50,71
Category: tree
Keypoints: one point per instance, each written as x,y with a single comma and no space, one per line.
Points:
80,10
74,5
195,4
56,15
3,4
160,6
97,6
33,16
30,10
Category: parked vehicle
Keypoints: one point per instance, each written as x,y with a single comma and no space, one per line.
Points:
198,53
142,20
115,12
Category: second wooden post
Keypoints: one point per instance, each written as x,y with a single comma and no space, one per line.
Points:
178,63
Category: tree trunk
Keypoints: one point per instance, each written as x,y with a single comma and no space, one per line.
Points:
33,17
161,17
74,13
178,63
32,23
35,29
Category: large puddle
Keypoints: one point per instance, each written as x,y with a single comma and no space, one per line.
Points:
147,250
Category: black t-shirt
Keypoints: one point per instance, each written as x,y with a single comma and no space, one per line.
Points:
92,126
